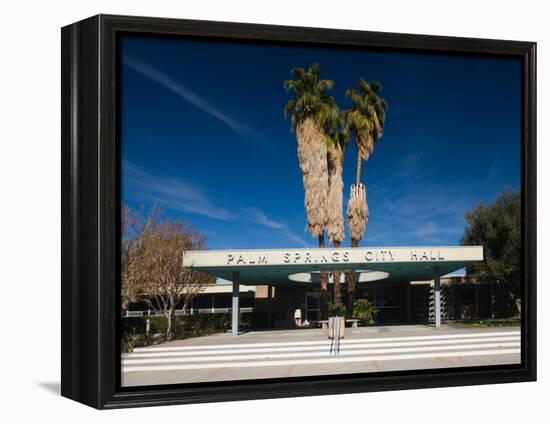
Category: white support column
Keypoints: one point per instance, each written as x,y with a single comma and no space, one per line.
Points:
437,296
235,305
269,297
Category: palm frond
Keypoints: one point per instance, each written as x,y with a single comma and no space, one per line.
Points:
367,115
309,94
375,86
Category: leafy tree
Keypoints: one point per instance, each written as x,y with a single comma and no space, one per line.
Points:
152,268
497,227
134,228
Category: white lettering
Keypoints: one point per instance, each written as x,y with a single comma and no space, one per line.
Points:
335,256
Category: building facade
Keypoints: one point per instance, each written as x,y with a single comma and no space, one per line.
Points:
415,284
407,302
396,303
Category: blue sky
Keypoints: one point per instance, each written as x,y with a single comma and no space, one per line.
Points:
205,138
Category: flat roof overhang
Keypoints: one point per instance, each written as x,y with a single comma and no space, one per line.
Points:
280,267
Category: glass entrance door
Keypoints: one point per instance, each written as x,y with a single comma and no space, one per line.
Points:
312,306
387,301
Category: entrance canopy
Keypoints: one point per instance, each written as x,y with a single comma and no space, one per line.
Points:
295,267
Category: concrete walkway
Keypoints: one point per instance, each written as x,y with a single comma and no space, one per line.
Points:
305,352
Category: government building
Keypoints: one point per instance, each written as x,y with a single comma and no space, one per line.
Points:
405,285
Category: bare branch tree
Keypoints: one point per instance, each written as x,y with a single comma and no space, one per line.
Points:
132,275
154,271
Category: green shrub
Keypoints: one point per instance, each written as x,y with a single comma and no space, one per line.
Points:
131,339
159,324
340,310
491,322
133,325
133,328
204,324
364,310
126,344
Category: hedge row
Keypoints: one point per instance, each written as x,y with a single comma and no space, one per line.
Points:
133,328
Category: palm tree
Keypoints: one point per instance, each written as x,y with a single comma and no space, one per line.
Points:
310,108
337,136
365,120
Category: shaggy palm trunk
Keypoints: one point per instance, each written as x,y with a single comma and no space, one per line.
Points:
312,155
358,215
335,218
324,284
336,286
351,281
357,212
358,171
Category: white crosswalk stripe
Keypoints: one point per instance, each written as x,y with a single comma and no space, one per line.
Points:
322,342
159,358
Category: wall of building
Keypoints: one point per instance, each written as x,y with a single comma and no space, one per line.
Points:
261,306
403,302
285,302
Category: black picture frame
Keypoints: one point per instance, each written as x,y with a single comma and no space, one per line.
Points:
91,213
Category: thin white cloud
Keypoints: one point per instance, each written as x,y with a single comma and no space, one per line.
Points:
171,193
410,164
176,194
433,231
189,96
259,217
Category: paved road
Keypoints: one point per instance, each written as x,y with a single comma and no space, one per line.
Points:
271,354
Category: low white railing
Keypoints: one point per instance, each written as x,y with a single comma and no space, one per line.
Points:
191,311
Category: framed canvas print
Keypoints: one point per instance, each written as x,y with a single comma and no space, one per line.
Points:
254,211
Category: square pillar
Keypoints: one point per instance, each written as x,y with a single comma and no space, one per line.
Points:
437,296
235,305
269,298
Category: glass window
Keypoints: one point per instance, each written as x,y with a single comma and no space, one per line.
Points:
468,295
